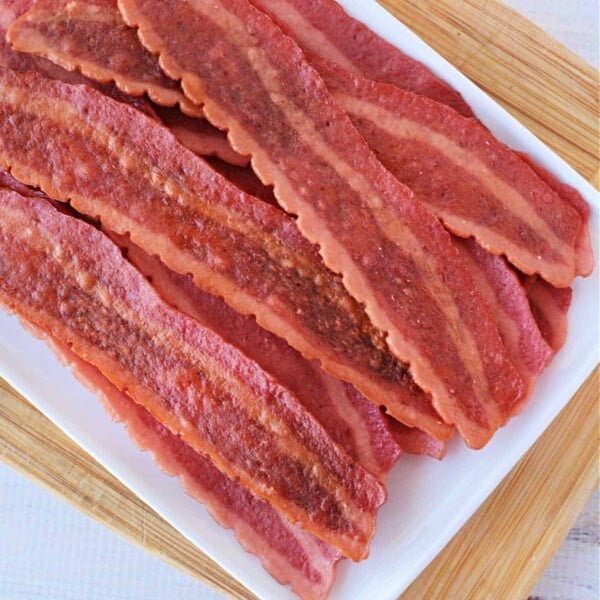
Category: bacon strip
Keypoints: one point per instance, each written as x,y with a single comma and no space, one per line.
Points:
585,257
8,182
90,36
462,174
245,179
509,306
72,282
549,306
394,256
289,554
199,136
21,62
9,11
356,424
415,441
325,29
130,172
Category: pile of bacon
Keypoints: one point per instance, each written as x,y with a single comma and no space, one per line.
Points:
357,268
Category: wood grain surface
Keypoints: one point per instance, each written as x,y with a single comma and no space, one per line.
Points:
502,550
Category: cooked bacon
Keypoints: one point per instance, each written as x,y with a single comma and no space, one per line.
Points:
462,174
324,28
199,136
585,257
549,306
130,172
17,61
356,424
291,555
21,62
509,306
8,182
245,179
415,441
90,36
68,279
394,256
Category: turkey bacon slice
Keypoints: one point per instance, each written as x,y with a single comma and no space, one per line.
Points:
508,303
90,36
71,281
393,255
324,28
550,307
292,556
113,163
476,185
415,441
20,61
356,424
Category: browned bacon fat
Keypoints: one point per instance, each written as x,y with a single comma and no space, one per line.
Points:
324,28
292,556
112,162
90,36
473,183
394,256
69,280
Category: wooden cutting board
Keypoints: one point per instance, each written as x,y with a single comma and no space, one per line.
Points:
503,549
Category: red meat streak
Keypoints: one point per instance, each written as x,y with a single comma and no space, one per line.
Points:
394,256
356,424
69,280
462,174
291,555
325,29
8,182
113,163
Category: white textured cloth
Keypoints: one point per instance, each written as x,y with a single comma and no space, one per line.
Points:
49,551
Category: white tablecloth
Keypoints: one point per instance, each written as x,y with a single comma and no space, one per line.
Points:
49,551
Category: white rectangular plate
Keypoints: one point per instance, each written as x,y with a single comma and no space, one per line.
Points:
428,501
